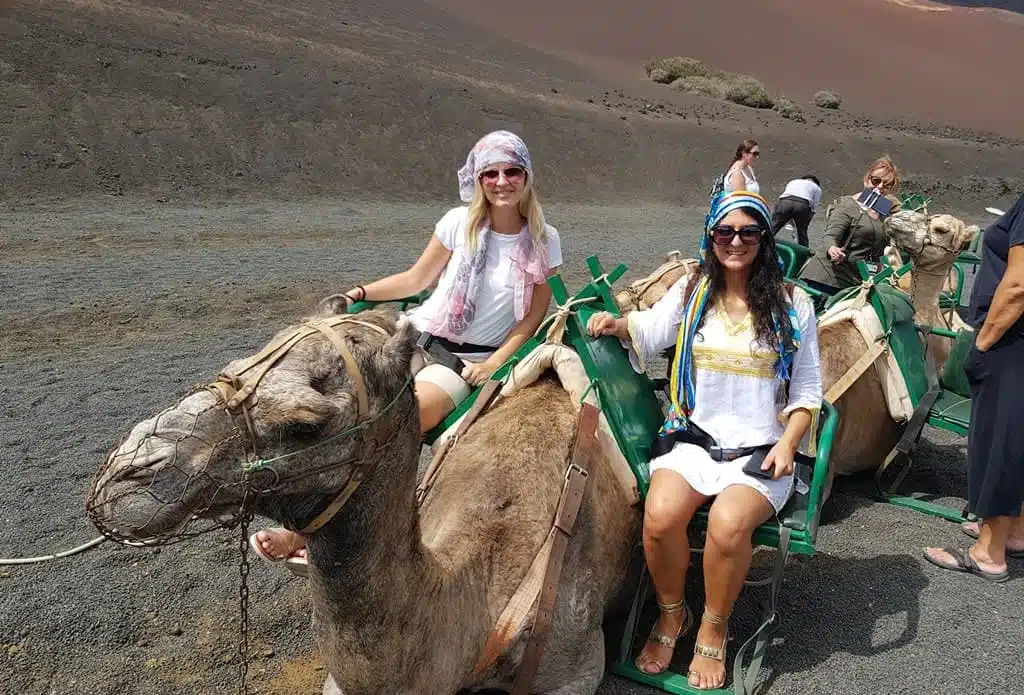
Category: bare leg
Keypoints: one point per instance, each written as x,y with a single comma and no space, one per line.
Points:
735,514
1015,539
670,505
435,404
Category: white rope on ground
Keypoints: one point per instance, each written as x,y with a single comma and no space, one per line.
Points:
56,556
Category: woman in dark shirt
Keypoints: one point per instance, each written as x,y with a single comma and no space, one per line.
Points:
855,233
995,370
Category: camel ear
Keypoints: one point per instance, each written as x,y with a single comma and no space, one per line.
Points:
673,256
335,304
394,357
970,232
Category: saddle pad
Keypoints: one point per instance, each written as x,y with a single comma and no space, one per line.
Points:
864,317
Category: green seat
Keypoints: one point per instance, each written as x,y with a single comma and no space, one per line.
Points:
953,377
794,257
951,412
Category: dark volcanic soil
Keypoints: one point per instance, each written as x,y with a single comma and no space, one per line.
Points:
195,99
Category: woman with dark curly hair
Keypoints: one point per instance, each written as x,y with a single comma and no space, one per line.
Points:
745,381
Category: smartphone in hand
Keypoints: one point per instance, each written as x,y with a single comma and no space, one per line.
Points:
753,464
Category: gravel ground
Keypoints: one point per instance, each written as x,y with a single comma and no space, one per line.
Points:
113,308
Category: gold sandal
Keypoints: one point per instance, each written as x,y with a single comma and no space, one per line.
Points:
714,653
665,640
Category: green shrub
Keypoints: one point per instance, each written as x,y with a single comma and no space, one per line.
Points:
787,108
661,75
707,86
671,69
826,99
747,91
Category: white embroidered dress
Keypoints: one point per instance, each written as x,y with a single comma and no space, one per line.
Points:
736,389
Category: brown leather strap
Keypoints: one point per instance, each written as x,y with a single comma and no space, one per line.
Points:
562,530
855,371
490,389
351,367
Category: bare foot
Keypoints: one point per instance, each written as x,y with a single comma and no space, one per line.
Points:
281,543
657,652
944,558
706,671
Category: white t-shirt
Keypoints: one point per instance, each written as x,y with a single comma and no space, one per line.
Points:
495,315
806,189
749,180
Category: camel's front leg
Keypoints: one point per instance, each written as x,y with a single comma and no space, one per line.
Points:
586,673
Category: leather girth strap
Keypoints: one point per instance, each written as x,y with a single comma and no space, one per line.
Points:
540,585
486,396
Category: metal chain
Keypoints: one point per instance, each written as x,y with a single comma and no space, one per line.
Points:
243,606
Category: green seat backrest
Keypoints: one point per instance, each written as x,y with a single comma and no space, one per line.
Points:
794,257
954,378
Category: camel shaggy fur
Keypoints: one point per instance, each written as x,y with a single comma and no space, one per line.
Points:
403,597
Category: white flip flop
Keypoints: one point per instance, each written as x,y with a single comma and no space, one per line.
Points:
995,211
298,566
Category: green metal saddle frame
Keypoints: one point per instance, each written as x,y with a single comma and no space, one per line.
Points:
949,405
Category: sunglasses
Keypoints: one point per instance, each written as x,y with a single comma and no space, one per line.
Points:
491,176
750,236
756,153
877,181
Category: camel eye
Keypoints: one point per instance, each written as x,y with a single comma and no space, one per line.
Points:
301,430
318,384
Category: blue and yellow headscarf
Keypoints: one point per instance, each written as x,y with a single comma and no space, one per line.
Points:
682,382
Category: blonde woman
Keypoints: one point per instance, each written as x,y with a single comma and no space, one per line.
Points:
490,260
855,232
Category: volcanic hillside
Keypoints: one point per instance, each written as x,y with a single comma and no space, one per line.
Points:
196,99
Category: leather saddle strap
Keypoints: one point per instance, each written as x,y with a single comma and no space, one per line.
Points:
351,366
855,371
490,389
564,528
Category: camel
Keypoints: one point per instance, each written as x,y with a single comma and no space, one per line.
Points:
404,597
866,432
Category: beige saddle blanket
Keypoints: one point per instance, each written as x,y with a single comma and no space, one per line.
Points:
863,317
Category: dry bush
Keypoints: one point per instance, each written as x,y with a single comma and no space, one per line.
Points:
706,86
747,91
826,99
668,70
691,75
787,108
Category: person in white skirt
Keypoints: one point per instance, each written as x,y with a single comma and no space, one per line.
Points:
745,377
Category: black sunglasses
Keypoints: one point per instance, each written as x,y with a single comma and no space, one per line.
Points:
491,175
756,153
751,236
877,181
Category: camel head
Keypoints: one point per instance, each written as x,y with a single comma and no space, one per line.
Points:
932,241
285,451
644,293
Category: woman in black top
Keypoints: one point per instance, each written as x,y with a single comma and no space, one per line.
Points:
995,445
